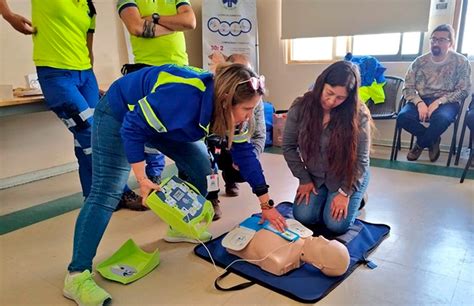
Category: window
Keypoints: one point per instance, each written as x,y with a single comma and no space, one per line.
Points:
387,47
466,30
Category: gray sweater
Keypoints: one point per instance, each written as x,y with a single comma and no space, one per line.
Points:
316,169
260,132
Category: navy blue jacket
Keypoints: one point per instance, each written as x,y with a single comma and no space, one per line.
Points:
173,102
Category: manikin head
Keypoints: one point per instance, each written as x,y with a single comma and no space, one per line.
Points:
329,256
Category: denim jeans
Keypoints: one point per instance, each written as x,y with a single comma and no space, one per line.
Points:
110,172
442,117
318,211
69,93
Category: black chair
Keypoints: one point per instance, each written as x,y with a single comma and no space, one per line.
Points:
396,144
393,93
463,131
469,160
391,106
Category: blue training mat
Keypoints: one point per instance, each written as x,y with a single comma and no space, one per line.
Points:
306,284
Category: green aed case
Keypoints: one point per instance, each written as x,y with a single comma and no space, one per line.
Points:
128,263
180,205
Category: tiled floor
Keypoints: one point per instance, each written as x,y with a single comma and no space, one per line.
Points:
427,259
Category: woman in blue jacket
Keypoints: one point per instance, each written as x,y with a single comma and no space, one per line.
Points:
171,108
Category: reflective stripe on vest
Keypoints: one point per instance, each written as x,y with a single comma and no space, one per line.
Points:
166,78
150,116
205,128
150,150
242,137
131,107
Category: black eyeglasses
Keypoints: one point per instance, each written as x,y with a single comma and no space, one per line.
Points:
440,40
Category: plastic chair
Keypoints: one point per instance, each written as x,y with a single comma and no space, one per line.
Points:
396,144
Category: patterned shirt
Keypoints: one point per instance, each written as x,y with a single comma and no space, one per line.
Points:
449,80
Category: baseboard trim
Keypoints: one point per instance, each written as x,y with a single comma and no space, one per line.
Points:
37,175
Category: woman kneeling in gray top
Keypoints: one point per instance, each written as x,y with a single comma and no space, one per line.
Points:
326,144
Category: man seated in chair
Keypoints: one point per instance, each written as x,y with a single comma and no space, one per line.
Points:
435,84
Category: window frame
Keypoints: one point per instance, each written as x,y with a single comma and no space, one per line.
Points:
462,24
349,45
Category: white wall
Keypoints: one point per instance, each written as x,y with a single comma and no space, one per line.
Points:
38,141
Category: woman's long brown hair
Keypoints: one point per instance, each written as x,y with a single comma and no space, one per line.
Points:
344,123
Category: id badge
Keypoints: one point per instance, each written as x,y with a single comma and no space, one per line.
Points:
212,182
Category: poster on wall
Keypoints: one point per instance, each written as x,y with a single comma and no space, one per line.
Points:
228,27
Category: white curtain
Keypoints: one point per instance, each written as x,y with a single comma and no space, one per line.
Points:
322,18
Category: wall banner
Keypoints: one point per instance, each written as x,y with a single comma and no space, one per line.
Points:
229,26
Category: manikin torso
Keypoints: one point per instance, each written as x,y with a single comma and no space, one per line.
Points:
278,256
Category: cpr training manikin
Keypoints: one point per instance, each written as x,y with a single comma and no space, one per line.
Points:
279,253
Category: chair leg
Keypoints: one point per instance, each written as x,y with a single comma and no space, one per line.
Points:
452,148
461,139
394,144
466,168
411,141
399,142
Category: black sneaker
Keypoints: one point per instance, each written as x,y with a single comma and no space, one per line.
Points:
414,153
232,190
217,209
132,201
434,150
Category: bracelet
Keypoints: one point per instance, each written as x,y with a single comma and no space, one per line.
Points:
416,104
342,192
267,205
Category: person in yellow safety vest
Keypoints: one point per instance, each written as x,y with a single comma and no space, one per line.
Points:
135,112
62,51
156,31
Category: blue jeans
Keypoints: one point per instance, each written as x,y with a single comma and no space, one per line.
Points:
110,172
442,117
72,95
318,211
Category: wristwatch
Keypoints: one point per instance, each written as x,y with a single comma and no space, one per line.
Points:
343,192
267,205
156,18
